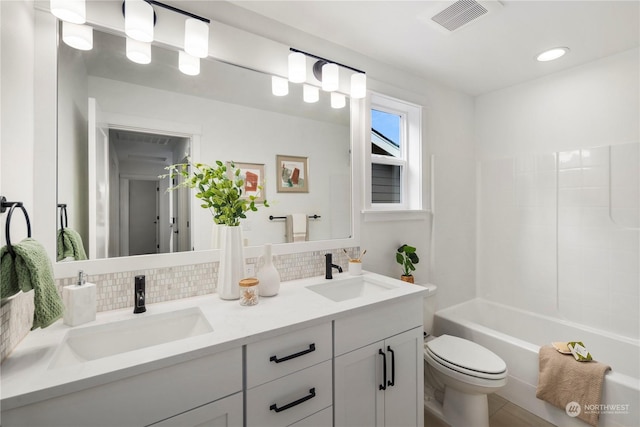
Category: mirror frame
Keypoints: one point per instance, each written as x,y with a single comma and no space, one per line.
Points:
45,149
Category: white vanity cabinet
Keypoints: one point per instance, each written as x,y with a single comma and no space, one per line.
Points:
143,399
226,412
379,367
289,379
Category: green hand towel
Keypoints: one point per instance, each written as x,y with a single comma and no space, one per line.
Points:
31,269
70,245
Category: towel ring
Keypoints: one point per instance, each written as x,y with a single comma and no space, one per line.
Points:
63,210
7,227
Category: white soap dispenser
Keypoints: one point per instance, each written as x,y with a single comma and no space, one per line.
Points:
79,302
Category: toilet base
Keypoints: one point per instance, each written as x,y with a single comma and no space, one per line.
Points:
464,409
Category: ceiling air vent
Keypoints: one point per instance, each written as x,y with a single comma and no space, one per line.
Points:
462,12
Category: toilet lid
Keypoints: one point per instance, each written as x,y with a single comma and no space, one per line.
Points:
466,354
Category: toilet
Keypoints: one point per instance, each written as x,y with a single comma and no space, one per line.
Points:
459,374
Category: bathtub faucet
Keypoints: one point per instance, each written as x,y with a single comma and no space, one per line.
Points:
329,266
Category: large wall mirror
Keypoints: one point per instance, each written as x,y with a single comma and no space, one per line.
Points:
121,123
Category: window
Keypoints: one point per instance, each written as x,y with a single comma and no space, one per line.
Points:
394,156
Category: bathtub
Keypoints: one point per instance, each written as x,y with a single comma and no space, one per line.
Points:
516,336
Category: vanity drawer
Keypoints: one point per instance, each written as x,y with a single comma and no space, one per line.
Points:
289,399
287,353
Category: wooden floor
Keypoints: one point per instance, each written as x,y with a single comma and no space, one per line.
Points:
502,413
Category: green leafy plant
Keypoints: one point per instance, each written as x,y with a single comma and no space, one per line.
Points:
219,188
407,257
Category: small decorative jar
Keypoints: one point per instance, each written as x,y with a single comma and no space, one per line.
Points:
249,291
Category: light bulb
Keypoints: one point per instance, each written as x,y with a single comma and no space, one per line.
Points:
551,54
330,77
196,38
279,86
338,100
77,36
138,20
358,85
138,52
310,93
74,11
297,67
188,64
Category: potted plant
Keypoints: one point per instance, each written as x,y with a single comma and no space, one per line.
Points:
220,189
407,257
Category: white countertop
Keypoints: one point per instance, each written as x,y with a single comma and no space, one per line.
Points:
27,378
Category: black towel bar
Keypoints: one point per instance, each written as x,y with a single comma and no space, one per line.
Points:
7,228
271,217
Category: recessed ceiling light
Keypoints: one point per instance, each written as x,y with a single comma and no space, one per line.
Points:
551,54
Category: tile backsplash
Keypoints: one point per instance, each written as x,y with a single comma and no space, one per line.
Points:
115,290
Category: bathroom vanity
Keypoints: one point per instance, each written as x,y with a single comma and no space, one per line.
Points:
322,352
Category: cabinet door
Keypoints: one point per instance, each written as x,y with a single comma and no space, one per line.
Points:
404,397
358,377
225,412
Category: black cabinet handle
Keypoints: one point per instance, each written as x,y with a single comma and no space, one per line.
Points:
312,348
383,386
393,367
311,395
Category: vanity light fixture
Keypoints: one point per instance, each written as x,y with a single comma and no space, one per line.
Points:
338,100
279,86
310,94
196,38
330,77
551,54
327,72
138,52
358,85
139,20
77,36
74,11
188,64
297,67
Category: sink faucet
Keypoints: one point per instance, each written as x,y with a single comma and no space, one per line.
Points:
138,295
329,266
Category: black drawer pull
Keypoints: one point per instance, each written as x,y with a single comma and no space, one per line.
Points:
312,348
311,395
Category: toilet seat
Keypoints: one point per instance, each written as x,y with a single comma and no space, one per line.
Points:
465,357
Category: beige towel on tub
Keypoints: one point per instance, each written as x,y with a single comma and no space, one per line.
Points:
562,380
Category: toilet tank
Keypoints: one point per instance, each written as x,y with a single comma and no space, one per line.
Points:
429,307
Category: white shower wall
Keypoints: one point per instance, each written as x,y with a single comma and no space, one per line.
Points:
552,237
598,237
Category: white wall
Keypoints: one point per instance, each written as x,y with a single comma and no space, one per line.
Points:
546,239
17,113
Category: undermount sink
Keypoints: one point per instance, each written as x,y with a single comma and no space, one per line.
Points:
96,342
357,287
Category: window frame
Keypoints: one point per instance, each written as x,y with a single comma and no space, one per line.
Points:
411,203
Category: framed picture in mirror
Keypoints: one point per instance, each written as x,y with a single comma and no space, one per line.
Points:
292,174
253,176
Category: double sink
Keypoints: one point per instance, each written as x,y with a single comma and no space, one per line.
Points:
85,344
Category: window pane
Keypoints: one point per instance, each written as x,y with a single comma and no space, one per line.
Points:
385,133
385,183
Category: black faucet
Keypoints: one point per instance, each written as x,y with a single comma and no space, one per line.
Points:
138,295
329,266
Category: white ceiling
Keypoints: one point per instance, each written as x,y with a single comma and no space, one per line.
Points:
493,52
